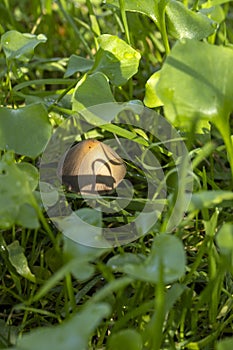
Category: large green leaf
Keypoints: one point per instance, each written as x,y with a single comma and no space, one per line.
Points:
198,87
92,90
20,46
196,81
25,130
184,23
146,7
70,335
180,21
167,253
116,59
16,198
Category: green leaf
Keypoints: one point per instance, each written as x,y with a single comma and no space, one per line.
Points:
8,334
20,46
146,7
116,59
127,339
19,261
180,21
27,217
226,344
167,252
31,172
151,99
84,227
184,23
70,335
118,261
50,194
78,64
25,130
15,192
83,256
92,90
224,239
196,86
209,199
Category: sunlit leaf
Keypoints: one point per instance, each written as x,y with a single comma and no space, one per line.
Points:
180,21
151,99
196,86
92,90
25,130
19,260
127,339
20,46
70,335
141,6
116,59
184,23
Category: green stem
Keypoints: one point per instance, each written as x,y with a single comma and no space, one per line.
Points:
43,220
154,330
229,147
124,20
223,126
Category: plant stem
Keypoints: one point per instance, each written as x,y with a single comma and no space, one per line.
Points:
124,20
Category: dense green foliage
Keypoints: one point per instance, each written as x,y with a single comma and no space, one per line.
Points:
172,287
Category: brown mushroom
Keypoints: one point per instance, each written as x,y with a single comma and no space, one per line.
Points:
91,167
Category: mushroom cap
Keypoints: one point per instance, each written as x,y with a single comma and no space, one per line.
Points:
91,167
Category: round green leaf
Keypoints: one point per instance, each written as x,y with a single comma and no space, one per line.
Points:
20,46
25,130
92,90
127,339
184,23
167,253
31,173
199,86
116,59
72,334
224,239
